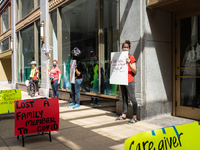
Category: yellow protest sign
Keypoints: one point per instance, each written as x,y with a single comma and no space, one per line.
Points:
7,98
182,137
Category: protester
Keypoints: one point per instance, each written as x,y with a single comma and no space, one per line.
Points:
55,75
78,78
34,75
130,88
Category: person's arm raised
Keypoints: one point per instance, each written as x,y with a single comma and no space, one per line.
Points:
132,66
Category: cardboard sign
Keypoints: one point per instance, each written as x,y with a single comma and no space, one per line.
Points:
7,98
182,137
119,68
34,116
72,71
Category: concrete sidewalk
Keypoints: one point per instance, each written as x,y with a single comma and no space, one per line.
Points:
84,128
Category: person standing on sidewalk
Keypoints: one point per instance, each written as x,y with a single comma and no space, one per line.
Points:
130,88
34,75
55,75
78,78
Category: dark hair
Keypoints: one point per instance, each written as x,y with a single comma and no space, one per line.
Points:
127,42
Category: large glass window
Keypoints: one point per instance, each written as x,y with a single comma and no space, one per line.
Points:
190,61
38,48
27,7
5,45
80,29
18,58
110,39
53,34
5,20
27,37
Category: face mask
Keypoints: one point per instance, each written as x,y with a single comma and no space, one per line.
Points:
125,49
54,65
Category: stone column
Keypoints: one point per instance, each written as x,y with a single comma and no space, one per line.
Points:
157,59
150,34
44,16
131,29
13,35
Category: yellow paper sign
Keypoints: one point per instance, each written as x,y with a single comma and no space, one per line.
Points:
7,98
182,137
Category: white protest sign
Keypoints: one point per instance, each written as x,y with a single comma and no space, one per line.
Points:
72,71
119,68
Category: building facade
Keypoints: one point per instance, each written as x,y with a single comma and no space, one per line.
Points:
164,39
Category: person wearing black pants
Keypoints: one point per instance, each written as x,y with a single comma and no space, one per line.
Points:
36,85
130,88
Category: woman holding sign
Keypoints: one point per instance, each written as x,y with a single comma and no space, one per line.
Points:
55,75
130,88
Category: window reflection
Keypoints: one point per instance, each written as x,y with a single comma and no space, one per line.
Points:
5,20
80,29
27,7
190,43
190,61
5,45
27,36
190,92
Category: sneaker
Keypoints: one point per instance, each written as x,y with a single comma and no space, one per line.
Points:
70,105
36,94
97,104
76,106
132,121
120,118
91,103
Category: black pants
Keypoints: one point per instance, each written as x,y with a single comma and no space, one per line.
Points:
125,89
36,84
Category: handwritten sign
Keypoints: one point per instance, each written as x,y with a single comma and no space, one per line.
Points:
7,98
182,137
39,115
72,71
119,68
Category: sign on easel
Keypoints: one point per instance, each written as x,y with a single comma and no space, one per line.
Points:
119,68
36,115
7,98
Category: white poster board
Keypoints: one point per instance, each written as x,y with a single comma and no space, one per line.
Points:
119,68
72,71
